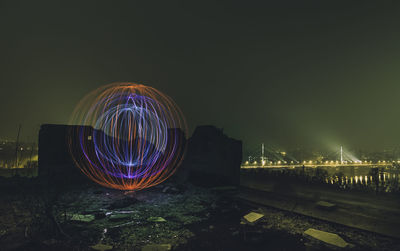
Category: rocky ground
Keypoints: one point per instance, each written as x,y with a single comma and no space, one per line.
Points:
166,217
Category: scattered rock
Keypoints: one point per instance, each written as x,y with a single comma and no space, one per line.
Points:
326,237
156,219
125,202
99,215
118,217
171,190
101,247
157,247
49,242
253,217
82,218
325,205
2,232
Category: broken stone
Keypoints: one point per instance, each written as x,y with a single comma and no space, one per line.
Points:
325,205
101,247
99,215
156,219
49,242
171,190
123,224
327,237
253,217
157,247
125,202
118,217
82,218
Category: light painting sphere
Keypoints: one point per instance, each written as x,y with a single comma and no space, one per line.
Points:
128,136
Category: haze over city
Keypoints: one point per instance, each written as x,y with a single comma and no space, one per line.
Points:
284,73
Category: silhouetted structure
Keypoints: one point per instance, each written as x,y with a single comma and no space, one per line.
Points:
213,159
55,162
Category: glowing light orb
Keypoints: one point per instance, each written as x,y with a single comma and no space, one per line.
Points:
129,137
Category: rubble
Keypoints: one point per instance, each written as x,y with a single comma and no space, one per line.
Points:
122,203
101,247
81,217
326,237
196,219
253,217
156,219
325,205
119,217
157,247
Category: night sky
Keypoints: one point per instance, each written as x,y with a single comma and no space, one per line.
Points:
285,73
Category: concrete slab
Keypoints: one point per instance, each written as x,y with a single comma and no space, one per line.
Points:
82,218
327,237
156,219
325,205
253,217
157,247
101,247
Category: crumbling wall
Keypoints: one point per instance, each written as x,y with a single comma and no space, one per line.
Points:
213,158
55,162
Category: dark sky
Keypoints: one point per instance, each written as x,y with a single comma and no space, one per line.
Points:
281,72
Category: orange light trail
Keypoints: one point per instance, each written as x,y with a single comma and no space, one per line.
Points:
129,136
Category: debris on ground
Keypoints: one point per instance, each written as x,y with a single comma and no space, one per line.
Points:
157,247
327,237
194,219
156,219
253,217
81,217
325,205
101,247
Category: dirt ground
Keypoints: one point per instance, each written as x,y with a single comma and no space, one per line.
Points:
166,217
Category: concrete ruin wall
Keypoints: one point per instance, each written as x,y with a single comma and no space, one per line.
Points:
213,158
55,162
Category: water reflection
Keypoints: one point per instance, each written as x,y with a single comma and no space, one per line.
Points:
373,178
383,178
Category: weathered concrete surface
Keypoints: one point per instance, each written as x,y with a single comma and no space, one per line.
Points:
325,205
101,247
157,247
253,217
329,238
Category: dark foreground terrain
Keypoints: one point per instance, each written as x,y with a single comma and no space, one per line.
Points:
166,217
